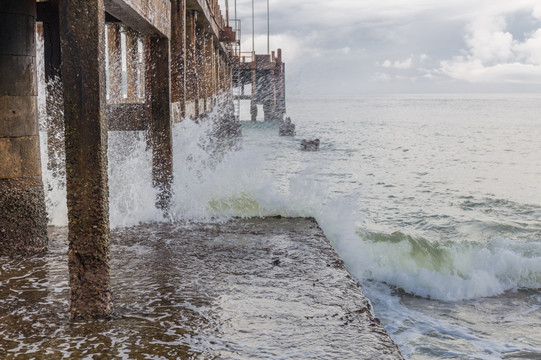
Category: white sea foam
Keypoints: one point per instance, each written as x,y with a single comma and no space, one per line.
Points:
456,271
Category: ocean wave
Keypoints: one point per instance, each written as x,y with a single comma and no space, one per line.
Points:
449,271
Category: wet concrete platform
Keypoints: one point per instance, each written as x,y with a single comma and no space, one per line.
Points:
268,288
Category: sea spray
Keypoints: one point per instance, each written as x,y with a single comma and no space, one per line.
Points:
214,182
131,194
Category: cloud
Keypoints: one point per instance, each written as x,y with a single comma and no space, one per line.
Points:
494,55
536,13
423,57
358,43
405,64
345,50
475,72
380,77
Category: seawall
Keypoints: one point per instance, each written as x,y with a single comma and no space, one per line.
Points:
262,288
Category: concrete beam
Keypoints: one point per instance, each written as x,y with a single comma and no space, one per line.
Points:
147,17
128,117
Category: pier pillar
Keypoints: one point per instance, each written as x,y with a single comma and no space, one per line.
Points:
272,94
23,219
161,137
83,75
208,69
114,53
214,84
253,101
192,87
132,65
279,71
201,66
54,101
178,57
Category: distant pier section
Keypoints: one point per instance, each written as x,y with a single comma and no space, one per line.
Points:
265,75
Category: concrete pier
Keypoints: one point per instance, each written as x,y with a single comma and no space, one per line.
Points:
83,76
160,128
271,288
23,220
266,75
110,65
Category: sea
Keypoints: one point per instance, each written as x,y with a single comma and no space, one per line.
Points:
432,201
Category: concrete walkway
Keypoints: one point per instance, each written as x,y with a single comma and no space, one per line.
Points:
246,289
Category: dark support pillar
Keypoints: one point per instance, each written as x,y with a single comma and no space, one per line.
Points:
201,69
272,94
132,65
215,91
178,55
280,108
23,219
192,87
161,137
82,32
54,101
114,52
209,58
253,102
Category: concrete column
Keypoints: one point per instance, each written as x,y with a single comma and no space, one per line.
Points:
114,71
132,58
218,72
83,75
23,219
161,138
211,70
253,102
214,84
280,108
192,87
178,56
202,64
54,100
272,94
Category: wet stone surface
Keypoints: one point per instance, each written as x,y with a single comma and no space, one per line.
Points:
245,289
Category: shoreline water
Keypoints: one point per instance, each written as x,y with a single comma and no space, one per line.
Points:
424,197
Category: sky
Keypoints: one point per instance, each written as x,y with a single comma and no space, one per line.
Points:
400,46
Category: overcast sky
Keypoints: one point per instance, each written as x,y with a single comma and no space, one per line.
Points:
372,46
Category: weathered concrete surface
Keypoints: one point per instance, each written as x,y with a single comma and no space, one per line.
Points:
245,289
147,17
23,220
83,75
161,135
